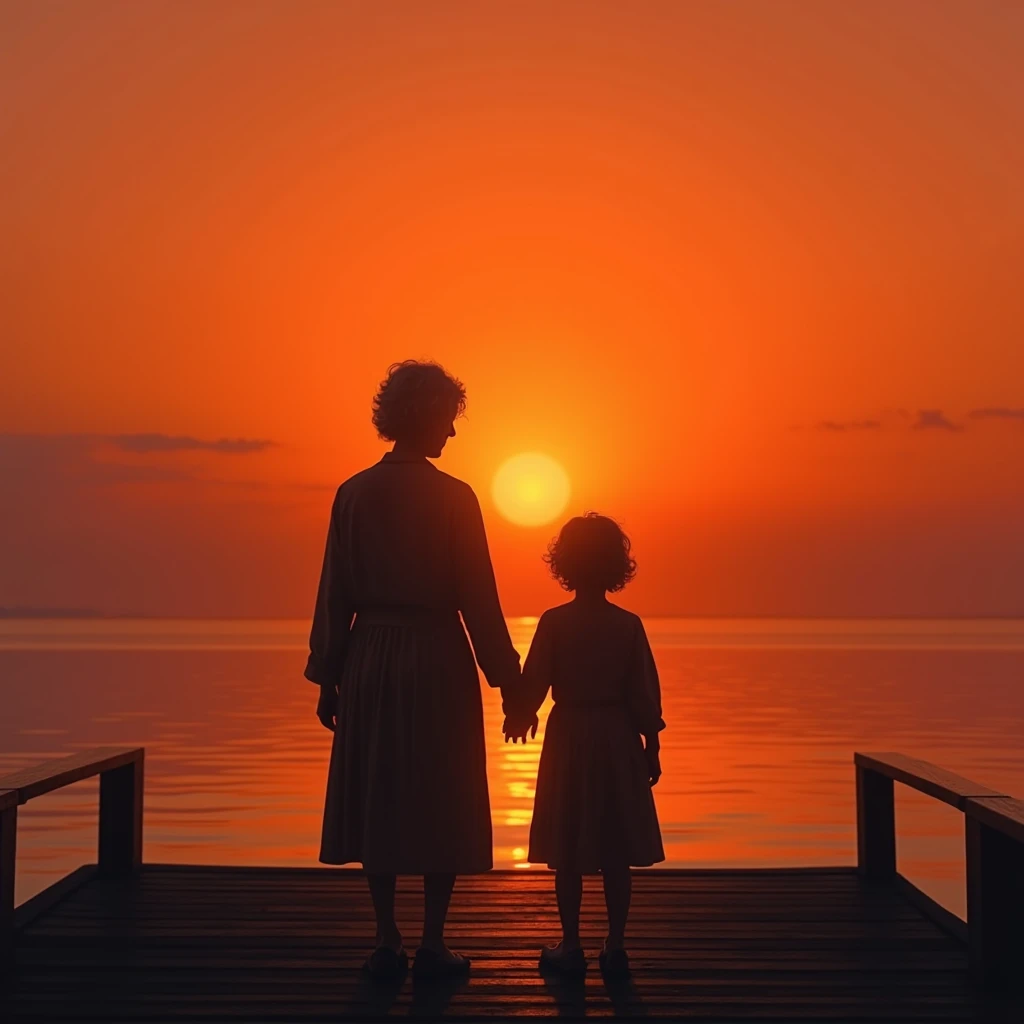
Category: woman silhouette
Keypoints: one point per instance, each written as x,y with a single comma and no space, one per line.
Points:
406,553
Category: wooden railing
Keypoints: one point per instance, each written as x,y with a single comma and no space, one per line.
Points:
120,827
994,839
994,828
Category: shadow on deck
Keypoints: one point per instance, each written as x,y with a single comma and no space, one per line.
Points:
287,944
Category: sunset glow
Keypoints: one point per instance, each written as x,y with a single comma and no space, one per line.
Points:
530,489
752,278
556,437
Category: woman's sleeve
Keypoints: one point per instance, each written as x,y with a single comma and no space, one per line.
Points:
332,617
538,672
478,600
645,689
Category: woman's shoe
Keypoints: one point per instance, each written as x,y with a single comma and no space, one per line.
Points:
614,963
430,964
385,963
568,961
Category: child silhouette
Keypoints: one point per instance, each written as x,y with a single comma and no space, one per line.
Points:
594,810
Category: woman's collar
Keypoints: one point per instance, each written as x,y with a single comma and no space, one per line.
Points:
394,457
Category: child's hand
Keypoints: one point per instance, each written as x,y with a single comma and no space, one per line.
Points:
652,752
516,730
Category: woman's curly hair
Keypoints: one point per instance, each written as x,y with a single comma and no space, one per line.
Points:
591,551
414,398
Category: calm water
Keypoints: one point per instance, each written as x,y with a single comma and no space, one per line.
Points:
763,718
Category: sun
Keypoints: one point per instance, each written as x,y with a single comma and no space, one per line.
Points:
530,489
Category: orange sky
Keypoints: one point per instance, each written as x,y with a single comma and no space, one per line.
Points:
666,243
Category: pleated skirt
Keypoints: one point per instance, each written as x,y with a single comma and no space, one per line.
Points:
407,785
594,807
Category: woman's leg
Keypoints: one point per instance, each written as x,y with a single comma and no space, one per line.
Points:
569,891
382,892
618,889
437,894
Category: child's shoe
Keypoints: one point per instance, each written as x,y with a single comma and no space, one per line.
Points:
432,965
563,961
385,963
614,963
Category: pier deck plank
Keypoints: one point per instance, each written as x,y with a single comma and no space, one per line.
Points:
203,943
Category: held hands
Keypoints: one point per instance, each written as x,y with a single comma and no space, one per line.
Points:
516,729
327,705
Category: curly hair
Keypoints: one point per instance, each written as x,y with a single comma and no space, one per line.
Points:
413,398
591,551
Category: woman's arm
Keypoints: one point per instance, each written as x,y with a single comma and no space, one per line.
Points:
478,599
332,620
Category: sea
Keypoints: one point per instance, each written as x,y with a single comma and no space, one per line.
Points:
763,719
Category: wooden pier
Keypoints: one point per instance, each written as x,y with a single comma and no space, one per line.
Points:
124,940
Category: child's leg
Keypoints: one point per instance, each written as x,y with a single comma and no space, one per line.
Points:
569,890
618,889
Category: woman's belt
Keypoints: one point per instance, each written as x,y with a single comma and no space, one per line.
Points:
406,615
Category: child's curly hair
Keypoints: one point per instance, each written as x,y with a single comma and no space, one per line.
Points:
413,398
591,551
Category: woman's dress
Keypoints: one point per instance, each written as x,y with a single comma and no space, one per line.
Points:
594,807
407,785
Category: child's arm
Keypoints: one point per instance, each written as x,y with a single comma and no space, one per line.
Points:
645,702
522,707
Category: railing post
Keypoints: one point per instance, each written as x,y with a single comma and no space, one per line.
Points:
876,826
8,835
120,850
995,904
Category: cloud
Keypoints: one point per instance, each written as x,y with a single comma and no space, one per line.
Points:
923,419
842,426
64,447
997,413
57,462
934,419
145,444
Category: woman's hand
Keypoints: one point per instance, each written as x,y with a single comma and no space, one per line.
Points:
327,706
518,729
652,754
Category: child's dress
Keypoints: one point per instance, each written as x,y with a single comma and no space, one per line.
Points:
594,806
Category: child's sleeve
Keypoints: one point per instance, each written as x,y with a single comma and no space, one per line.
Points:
538,670
645,689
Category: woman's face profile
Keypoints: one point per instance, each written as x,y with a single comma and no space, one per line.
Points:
439,438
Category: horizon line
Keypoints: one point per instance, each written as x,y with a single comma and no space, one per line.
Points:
75,615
